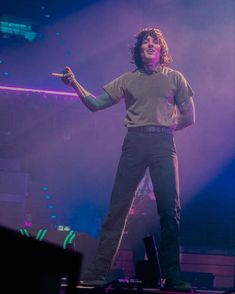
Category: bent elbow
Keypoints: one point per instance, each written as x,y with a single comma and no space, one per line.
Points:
93,109
191,121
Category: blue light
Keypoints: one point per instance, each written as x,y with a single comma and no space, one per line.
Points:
45,188
19,29
48,197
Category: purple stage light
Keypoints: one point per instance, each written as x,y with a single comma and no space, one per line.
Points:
39,91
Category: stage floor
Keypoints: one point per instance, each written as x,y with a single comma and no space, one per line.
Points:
123,290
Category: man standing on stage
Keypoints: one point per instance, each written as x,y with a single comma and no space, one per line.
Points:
159,101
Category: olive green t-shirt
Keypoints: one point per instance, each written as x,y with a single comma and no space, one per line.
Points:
150,99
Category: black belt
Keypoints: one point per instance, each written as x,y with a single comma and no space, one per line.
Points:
151,129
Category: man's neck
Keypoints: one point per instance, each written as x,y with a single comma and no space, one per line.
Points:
151,67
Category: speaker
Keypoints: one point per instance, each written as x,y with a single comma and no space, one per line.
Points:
149,271
31,266
72,240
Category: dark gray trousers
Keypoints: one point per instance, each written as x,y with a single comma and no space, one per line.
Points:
139,151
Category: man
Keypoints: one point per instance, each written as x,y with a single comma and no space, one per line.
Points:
159,101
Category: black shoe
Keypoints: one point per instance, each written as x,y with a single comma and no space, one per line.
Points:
93,283
89,278
176,285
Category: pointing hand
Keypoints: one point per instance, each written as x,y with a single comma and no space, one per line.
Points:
67,76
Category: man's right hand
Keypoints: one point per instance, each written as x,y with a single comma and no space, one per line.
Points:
67,76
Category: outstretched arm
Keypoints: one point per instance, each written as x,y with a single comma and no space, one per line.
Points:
186,116
92,102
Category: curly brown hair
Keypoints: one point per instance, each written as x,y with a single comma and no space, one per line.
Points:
165,58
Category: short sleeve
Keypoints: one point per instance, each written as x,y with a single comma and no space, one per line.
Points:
184,90
115,88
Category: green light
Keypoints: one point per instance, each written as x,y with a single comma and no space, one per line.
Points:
69,239
41,234
18,29
24,232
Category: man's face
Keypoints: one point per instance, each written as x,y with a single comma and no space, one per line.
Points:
150,50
